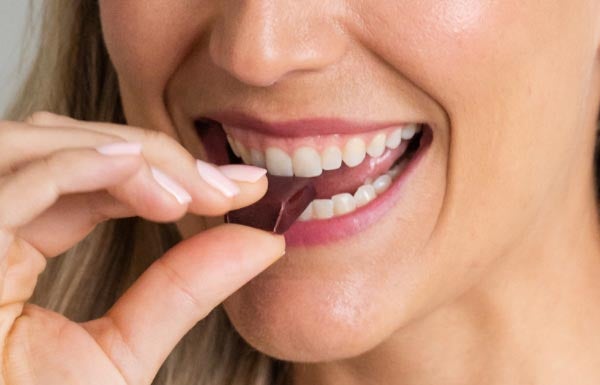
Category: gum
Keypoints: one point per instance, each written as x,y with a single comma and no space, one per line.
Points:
260,142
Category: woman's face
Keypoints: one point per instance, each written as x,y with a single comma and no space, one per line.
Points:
508,88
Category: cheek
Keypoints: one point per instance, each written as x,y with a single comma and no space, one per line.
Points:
146,40
500,72
311,318
446,47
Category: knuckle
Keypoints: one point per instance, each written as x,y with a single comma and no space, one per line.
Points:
48,164
8,142
115,344
157,136
160,138
16,345
95,210
6,130
24,337
36,338
40,117
49,168
187,294
55,166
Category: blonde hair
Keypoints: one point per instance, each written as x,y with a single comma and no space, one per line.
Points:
71,74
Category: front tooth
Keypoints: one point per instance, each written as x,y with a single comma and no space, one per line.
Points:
343,204
382,183
307,162
354,152
233,146
258,158
278,162
322,208
307,214
409,131
394,139
244,153
331,158
364,194
377,146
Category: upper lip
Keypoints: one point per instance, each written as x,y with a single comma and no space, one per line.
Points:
311,126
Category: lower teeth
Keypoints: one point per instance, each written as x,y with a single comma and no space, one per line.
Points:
346,203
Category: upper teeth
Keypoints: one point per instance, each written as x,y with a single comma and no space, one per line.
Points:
308,157
306,162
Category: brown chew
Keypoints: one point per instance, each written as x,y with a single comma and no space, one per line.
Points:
285,201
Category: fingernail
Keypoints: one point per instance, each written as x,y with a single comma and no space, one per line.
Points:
243,173
172,187
121,148
216,179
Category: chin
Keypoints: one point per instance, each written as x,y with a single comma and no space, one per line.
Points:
348,283
335,301
304,320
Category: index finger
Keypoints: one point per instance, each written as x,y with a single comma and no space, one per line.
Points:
212,193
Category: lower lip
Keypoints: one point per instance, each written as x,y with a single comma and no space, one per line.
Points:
320,232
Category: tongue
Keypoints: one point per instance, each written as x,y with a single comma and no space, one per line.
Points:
349,179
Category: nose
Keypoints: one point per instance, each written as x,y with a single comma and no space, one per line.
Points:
259,42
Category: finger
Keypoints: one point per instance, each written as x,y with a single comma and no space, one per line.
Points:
251,192
21,143
139,193
71,219
213,194
78,214
30,191
176,292
152,194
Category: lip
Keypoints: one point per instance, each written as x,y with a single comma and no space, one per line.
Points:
298,127
319,232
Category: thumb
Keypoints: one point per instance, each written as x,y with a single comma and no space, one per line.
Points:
176,292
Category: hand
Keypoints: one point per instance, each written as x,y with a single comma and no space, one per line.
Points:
55,187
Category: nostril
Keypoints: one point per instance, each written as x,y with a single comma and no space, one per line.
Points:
244,54
261,45
257,67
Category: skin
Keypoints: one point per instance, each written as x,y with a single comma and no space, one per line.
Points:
486,269
55,187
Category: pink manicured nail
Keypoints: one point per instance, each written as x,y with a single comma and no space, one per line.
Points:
122,148
216,179
243,173
172,187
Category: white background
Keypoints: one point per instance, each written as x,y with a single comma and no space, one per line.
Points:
13,20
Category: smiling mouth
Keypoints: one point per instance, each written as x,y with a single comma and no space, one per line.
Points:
349,171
